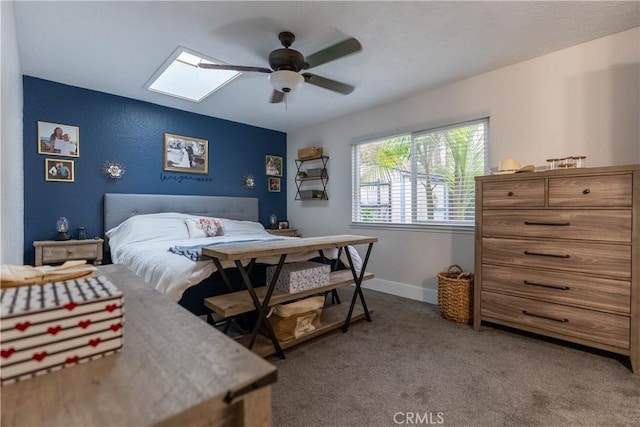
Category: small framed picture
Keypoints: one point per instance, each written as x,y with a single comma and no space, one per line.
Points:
274,185
58,140
59,170
283,225
274,166
186,154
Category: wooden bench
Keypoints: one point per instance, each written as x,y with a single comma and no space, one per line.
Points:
262,298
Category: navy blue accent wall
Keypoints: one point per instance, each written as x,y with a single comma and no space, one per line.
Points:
113,128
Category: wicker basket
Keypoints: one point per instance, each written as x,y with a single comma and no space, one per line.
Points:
309,153
455,294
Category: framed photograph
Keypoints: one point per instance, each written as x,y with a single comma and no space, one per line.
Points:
185,154
274,166
59,170
56,139
283,225
274,185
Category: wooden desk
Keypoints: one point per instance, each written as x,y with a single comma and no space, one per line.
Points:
174,370
260,301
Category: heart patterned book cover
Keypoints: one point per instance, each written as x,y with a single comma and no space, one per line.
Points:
58,325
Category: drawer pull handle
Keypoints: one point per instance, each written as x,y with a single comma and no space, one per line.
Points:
549,255
510,193
552,224
527,313
586,191
542,285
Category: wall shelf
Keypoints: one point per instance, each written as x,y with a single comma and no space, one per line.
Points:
311,183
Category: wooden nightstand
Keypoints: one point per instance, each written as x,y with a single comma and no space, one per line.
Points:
289,232
53,251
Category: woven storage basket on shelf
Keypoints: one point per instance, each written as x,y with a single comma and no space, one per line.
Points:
455,294
309,153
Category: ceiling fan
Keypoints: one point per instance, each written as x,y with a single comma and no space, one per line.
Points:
287,63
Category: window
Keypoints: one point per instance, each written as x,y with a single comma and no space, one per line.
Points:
181,77
421,178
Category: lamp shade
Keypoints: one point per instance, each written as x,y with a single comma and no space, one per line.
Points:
285,81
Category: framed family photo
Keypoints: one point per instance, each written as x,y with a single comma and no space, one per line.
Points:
274,185
58,140
59,170
283,225
185,154
274,166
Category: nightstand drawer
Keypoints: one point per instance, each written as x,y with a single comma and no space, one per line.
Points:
63,253
287,232
587,325
511,193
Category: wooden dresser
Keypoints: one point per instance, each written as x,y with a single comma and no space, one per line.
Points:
558,253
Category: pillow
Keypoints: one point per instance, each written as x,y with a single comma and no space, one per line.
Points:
149,227
204,227
239,227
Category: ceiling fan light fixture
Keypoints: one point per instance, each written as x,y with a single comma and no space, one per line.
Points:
286,81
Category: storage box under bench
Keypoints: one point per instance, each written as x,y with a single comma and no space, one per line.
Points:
300,276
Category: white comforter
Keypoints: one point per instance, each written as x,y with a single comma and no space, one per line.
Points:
142,243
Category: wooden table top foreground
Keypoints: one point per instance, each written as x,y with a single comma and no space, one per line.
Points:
171,363
241,251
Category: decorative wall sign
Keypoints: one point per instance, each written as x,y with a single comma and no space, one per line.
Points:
58,140
185,154
59,170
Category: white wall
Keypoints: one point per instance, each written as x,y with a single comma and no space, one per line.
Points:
11,173
584,100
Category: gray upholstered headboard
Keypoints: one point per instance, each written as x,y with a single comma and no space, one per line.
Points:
119,207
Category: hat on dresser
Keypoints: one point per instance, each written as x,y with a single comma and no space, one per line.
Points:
510,165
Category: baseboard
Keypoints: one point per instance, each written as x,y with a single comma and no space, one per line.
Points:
403,290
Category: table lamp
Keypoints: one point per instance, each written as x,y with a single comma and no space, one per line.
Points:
62,226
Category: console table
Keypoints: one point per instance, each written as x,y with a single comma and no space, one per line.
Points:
174,369
262,298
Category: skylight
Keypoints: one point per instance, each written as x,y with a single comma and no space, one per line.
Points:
180,76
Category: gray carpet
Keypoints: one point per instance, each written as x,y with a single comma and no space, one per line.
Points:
409,366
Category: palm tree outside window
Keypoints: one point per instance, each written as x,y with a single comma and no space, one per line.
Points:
423,178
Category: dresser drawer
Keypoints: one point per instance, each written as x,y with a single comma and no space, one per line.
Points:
69,252
588,325
588,258
565,288
596,191
602,225
510,193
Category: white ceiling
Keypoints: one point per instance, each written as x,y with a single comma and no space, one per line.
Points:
408,47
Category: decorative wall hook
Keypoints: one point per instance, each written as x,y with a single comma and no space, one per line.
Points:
249,181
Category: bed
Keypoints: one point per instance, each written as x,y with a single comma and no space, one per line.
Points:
159,237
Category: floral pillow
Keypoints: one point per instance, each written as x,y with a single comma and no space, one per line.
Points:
204,227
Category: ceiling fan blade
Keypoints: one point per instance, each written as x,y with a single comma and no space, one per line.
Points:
239,68
277,97
338,50
326,83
